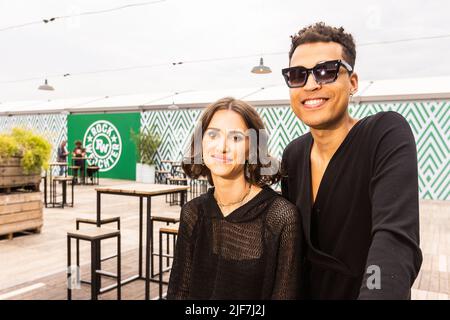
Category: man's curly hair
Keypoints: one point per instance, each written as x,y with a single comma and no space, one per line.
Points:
320,32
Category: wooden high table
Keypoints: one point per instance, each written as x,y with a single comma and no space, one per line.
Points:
51,165
141,190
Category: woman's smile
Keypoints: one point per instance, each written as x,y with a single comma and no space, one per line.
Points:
221,158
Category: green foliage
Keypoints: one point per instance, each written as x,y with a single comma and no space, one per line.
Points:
32,148
8,146
147,144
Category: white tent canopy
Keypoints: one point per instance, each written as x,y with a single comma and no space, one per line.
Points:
381,90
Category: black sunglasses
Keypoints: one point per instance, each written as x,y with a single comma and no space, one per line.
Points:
323,72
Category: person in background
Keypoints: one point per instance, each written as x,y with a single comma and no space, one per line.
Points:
62,154
79,152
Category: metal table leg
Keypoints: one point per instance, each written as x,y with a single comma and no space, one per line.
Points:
148,250
141,217
98,254
69,262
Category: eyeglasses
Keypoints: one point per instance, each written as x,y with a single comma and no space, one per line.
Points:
323,72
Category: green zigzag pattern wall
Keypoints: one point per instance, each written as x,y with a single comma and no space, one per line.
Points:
52,126
429,120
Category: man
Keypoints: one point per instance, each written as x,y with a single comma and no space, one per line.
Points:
79,154
353,181
62,154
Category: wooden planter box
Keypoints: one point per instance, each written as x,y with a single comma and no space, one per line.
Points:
12,176
20,212
20,209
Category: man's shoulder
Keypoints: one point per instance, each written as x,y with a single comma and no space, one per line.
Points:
297,145
385,119
387,124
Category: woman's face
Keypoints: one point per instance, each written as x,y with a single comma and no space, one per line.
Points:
225,144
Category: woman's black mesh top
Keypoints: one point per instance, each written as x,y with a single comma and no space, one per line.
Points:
252,253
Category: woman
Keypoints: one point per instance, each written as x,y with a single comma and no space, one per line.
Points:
240,240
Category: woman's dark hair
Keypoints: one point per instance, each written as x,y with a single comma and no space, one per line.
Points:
320,32
193,164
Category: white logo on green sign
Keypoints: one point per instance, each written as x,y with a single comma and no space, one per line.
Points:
103,145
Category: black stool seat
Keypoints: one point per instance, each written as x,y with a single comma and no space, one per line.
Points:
63,178
173,231
165,219
102,221
93,234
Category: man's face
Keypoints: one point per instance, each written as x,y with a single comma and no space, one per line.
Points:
321,106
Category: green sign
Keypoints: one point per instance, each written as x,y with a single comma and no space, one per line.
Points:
107,142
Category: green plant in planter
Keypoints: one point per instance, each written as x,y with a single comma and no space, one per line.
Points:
32,148
8,146
147,144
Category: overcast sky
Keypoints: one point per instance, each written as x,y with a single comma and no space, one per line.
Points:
191,30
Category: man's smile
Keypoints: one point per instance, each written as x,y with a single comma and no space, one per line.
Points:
314,103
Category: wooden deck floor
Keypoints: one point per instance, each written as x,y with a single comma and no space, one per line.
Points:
34,266
33,259
53,287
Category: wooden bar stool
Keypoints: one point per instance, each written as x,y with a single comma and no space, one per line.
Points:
93,174
95,236
79,221
168,221
73,170
174,200
169,232
161,176
64,181
176,170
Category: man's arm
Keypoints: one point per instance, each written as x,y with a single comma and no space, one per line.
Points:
394,251
284,179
